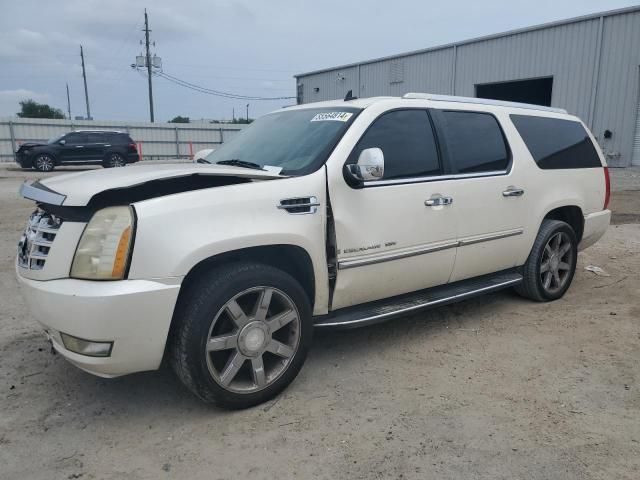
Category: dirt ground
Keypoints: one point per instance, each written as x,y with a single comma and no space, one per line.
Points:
494,388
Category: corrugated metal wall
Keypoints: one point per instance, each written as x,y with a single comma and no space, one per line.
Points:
618,85
594,62
156,140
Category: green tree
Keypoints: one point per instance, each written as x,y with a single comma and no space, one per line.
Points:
179,119
32,109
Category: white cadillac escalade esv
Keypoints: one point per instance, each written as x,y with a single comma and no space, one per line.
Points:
334,214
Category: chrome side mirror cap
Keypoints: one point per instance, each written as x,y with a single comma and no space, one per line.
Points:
370,166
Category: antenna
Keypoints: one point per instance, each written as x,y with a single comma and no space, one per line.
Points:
349,96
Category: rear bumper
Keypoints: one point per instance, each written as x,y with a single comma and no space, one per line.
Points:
133,314
595,225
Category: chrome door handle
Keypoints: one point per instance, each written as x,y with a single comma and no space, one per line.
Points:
79,146
438,201
513,192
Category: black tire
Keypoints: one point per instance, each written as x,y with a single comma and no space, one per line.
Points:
201,308
539,272
114,160
43,162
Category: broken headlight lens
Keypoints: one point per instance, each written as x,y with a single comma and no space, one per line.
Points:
103,249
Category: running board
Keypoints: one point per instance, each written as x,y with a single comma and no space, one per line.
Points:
382,310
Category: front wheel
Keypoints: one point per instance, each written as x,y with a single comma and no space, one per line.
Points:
551,265
241,334
43,163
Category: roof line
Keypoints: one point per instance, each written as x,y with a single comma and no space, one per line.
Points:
556,23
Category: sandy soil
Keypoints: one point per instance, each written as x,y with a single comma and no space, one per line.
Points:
497,388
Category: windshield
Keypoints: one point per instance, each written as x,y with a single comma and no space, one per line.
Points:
55,139
298,141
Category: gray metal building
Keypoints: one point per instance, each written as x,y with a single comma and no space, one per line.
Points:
589,65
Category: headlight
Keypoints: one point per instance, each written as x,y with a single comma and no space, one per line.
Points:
103,250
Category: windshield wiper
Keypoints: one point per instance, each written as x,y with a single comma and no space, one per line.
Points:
240,163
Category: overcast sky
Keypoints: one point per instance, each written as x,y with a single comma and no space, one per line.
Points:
240,46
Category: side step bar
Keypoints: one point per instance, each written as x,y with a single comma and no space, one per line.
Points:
382,310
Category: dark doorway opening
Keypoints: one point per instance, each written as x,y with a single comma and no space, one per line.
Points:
536,91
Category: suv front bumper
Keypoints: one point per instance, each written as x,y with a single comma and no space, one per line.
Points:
133,314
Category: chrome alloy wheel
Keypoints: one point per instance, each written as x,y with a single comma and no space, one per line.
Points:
44,163
556,261
116,160
252,339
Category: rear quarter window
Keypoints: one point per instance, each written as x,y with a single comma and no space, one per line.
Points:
555,143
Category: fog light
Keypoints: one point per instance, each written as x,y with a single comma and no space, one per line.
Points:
86,347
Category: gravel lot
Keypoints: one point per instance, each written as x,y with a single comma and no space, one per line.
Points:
496,387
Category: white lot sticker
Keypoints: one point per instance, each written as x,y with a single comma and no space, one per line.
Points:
332,116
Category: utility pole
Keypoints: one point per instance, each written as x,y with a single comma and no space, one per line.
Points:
68,102
86,91
247,113
233,114
146,43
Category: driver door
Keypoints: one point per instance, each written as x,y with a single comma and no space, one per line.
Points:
74,148
389,241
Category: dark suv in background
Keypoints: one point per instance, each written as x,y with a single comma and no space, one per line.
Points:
81,147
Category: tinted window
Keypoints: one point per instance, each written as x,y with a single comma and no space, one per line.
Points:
96,138
475,142
118,138
76,138
407,141
556,143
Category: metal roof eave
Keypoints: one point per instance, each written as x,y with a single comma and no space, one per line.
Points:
556,23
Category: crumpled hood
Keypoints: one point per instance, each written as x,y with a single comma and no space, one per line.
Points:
77,189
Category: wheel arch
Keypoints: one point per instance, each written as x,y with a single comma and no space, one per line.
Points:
46,151
571,214
292,259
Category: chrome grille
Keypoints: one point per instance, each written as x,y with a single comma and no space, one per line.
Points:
37,239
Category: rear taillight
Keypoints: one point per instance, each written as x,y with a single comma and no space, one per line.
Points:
607,188
134,146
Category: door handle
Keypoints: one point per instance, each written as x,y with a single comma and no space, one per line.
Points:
79,146
438,201
513,192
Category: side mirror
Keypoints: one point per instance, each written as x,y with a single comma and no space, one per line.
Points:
370,166
62,142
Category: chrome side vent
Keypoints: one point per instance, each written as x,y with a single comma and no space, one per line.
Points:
300,205
37,239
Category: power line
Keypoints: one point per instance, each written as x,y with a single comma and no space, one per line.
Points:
217,93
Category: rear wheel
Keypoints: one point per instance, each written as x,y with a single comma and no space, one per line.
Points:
551,265
114,160
241,334
43,163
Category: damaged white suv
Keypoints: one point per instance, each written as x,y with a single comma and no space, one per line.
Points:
334,214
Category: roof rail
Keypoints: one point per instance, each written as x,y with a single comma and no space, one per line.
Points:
481,101
96,131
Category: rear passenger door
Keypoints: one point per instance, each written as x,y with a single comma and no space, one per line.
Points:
96,146
489,195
